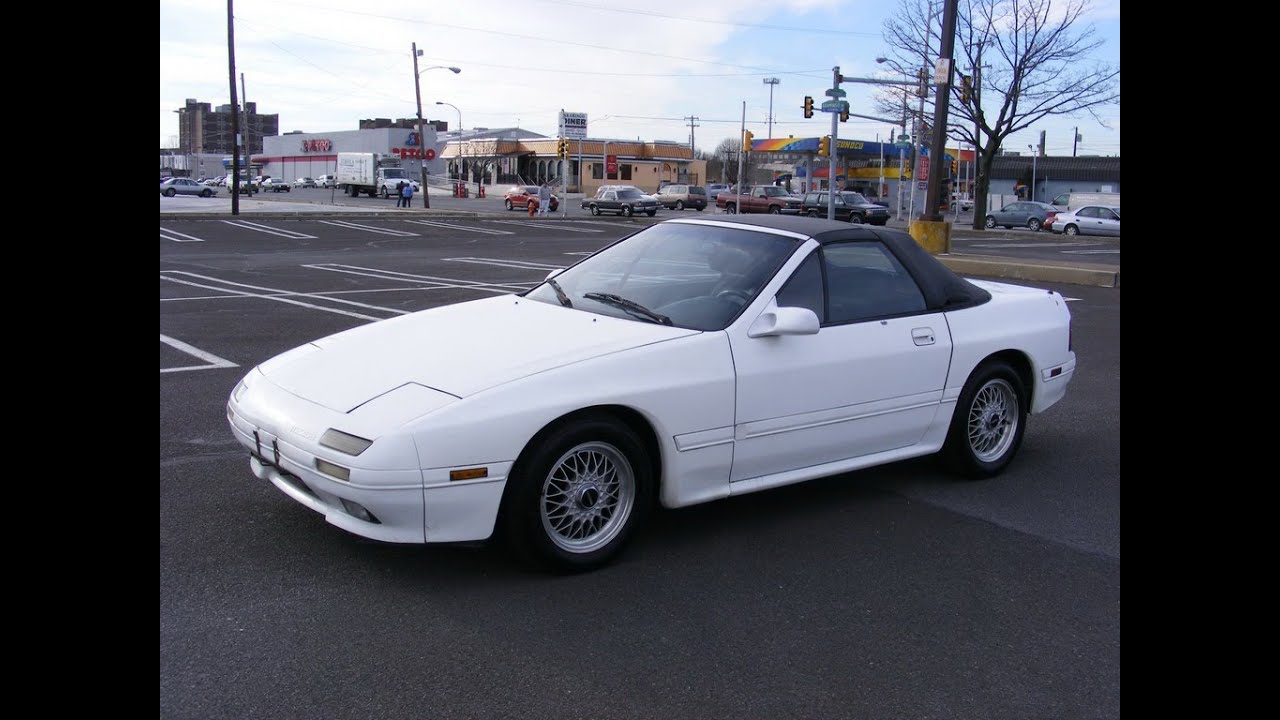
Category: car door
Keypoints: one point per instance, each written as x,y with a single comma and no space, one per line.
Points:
1108,222
869,381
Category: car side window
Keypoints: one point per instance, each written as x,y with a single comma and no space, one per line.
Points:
804,289
811,199
1107,214
865,281
1088,212
610,195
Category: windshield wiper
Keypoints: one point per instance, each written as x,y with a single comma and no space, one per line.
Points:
629,305
564,299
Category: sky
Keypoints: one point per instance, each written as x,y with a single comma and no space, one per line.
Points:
637,70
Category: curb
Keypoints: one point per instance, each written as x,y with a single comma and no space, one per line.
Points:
1071,275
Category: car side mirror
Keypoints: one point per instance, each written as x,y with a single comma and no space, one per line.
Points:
784,321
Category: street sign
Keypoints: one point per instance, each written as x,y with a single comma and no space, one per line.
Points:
574,125
836,93
832,106
922,186
924,168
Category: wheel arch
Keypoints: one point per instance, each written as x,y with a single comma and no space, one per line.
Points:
1022,366
628,416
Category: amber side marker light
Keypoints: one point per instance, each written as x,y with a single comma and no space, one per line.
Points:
468,474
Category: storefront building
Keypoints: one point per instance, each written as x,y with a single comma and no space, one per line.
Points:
298,155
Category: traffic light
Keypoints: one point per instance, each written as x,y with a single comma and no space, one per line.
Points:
844,112
955,168
747,137
922,89
824,146
966,88
808,106
562,149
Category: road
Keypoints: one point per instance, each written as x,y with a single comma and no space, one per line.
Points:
891,592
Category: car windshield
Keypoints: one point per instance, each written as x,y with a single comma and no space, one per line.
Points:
854,198
696,276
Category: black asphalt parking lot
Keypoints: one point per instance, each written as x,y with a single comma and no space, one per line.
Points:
894,592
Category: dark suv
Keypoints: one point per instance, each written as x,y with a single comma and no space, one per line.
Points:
850,207
679,197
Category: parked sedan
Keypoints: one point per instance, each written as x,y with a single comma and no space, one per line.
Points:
276,185
1024,213
715,189
518,197
304,182
690,361
849,207
1089,220
185,186
622,201
327,181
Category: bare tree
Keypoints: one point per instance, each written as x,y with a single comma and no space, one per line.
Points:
725,161
1028,60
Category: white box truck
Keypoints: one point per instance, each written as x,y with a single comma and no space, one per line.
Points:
374,174
1076,200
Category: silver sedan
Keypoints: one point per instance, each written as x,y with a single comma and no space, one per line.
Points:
186,186
1089,220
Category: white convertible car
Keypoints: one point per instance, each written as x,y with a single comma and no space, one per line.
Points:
693,360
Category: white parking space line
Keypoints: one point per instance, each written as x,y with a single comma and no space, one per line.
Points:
257,227
601,222
521,264
580,253
274,294
1032,245
211,361
439,282
454,226
370,228
1091,252
548,224
176,236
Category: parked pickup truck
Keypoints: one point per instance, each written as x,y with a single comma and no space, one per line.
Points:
759,199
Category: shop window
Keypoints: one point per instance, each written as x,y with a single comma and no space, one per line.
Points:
626,172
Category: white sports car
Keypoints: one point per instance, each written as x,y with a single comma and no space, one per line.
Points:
690,361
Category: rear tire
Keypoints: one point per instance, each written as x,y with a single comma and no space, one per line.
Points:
206,193
170,192
1072,230
989,421
679,204
1034,224
991,222
577,493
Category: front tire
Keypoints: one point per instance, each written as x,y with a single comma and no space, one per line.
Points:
206,193
577,494
626,211
679,204
989,421
855,218
595,210
508,204
775,210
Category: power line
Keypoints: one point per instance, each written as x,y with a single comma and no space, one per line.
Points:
664,16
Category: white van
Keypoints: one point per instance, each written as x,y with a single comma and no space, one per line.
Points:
326,181
1072,201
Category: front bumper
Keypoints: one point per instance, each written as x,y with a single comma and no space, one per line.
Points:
406,505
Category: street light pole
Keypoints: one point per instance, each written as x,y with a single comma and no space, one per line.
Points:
422,138
1034,156
455,107
771,82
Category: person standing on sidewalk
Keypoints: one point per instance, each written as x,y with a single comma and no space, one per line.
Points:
400,194
544,199
407,194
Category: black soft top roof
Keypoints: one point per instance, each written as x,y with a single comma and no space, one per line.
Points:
942,288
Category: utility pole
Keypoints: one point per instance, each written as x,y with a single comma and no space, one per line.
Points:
836,93
691,120
771,82
1075,138
941,106
248,133
742,136
422,138
235,123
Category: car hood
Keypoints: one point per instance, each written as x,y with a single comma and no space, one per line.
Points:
457,349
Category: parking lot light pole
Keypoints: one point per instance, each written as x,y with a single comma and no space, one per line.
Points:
455,107
422,138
